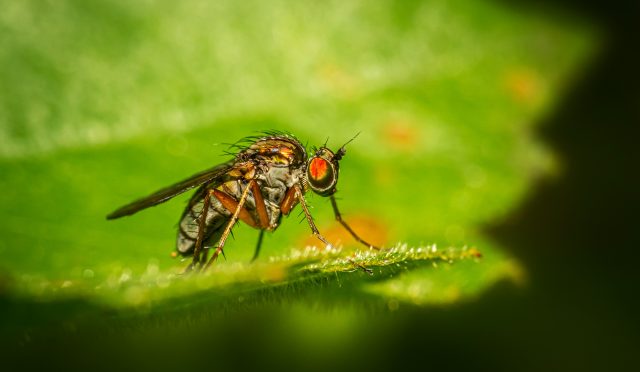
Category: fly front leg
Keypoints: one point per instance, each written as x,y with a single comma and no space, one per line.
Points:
349,229
314,229
319,236
230,225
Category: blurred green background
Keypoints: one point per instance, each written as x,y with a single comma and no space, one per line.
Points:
105,101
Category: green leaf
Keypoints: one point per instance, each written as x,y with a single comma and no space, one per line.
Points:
106,101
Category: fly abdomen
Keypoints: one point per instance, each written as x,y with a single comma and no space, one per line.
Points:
219,216
188,227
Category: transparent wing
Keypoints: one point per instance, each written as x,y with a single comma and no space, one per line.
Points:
217,174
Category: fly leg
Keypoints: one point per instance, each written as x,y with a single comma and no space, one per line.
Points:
319,236
353,233
204,255
263,216
261,207
314,229
201,227
255,255
232,222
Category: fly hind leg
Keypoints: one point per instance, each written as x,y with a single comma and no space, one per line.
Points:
237,211
196,262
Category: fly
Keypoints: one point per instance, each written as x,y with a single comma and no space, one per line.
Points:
266,179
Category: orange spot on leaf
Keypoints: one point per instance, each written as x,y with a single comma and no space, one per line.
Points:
370,229
523,85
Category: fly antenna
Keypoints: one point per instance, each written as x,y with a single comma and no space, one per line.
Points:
343,150
351,140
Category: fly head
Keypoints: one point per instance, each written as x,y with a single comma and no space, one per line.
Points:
323,169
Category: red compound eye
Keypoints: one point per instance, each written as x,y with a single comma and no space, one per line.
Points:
318,168
322,176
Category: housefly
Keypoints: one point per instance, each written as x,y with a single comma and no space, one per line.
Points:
267,178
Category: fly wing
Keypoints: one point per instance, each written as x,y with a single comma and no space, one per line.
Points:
217,173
